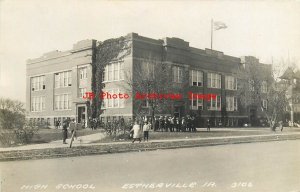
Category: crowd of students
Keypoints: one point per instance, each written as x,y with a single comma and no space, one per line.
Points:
175,124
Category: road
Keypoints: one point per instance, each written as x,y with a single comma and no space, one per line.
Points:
269,166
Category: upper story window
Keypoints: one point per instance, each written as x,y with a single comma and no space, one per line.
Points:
38,83
251,84
264,87
38,103
63,79
213,80
231,103
215,104
177,74
230,83
196,78
148,69
114,72
82,73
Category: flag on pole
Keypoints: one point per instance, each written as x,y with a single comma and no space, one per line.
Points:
219,25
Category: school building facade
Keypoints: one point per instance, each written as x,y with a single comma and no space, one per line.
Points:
57,82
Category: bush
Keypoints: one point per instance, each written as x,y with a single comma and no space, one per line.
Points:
18,136
7,138
12,114
25,135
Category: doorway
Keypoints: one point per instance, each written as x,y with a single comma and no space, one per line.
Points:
178,111
81,114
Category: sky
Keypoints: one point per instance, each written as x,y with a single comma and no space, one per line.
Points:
268,30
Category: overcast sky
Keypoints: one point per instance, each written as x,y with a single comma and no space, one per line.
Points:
30,28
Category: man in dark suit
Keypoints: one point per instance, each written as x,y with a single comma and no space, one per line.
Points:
65,131
208,125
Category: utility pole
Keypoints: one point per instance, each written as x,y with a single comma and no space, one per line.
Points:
291,103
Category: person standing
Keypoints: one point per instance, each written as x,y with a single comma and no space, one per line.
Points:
136,132
193,124
176,124
156,124
57,123
183,124
161,123
65,131
208,125
146,129
189,124
167,124
72,127
281,126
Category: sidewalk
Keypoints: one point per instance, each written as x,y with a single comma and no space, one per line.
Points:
57,149
88,140
80,141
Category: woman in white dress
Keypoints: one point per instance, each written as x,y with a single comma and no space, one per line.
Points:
136,129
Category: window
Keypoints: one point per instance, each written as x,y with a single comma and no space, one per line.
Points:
196,78
38,103
38,83
112,102
265,104
214,80
177,74
82,73
231,103
196,104
62,102
215,104
121,71
63,79
82,92
114,72
145,103
251,85
264,87
147,69
230,83
43,104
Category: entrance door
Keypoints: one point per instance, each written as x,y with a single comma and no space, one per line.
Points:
81,114
178,111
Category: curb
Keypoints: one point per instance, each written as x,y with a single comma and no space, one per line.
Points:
124,148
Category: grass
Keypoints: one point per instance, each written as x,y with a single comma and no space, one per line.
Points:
201,133
48,135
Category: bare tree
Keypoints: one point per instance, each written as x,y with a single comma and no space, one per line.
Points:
152,77
259,88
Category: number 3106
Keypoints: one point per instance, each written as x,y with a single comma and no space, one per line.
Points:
241,184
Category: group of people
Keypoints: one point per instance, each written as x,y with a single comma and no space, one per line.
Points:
137,131
94,123
175,124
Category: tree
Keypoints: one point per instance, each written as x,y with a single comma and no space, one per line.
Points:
259,89
105,53
151,76
12,114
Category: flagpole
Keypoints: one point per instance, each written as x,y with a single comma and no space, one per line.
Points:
211,34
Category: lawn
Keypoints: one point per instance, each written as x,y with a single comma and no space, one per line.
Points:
48,135
201,133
